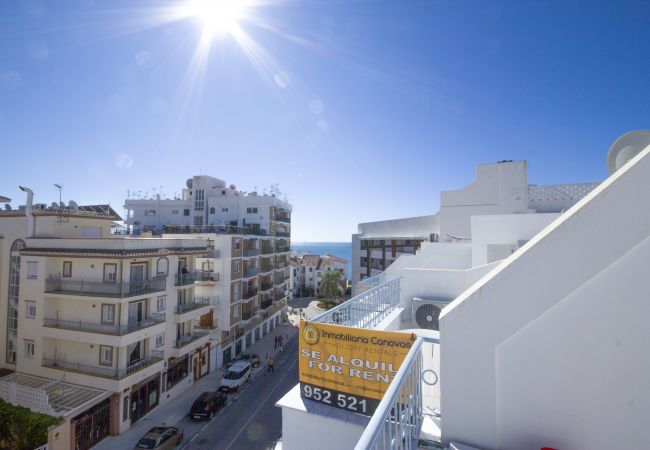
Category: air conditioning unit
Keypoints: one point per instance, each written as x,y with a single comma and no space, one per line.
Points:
426,312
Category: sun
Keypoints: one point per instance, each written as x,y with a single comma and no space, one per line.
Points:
219,17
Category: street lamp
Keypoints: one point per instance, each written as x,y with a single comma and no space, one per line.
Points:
60,188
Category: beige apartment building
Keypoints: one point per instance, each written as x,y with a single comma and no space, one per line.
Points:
124,322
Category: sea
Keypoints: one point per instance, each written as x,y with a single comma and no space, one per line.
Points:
340,249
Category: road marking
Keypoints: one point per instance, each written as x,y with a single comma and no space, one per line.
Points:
260,406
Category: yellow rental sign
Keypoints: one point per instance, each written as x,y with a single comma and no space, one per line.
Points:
349,368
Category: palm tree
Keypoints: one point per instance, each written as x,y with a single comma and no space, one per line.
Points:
329,286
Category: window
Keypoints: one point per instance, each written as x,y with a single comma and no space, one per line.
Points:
207,266
198,200
108,313
125,409
178,371
212,210
198,221
160,303
110,273
150,212
311,269
235,312
224,209
251,210
32,270
174,211
105,355
67,269
186,212
162,267
237,266
30,310
237,244
160,340
29,349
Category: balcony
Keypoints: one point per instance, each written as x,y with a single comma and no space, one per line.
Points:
266,286
282,249
183,279
267,303
184,341
100,328
248,314
249,293
281,234
281,265
56,285
250,272
283,219
251,252
216,229
266,250
105,372
195,303
266,267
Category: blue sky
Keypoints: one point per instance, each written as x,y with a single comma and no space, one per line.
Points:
360,110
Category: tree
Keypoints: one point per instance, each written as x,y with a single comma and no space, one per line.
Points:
330,284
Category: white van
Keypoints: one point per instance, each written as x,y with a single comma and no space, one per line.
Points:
235,376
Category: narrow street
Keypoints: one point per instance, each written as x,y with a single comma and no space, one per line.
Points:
251,420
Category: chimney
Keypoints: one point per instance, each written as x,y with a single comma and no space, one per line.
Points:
28,210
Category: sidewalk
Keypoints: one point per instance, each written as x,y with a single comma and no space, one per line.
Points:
174,412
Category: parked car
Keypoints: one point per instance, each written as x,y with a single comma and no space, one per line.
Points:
252,358
161,438
207,405
235,376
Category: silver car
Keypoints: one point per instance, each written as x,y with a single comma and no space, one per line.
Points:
161,438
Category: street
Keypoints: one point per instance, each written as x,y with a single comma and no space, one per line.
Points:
250,420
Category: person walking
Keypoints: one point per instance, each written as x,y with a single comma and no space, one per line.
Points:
269,364
275,341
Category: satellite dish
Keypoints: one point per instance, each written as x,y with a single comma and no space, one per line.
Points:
73,205
625,148
188,183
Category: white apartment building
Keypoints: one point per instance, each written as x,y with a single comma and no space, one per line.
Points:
513,350
250,235
307,272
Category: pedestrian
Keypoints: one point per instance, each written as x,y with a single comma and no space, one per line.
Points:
270,365
275,340
280,339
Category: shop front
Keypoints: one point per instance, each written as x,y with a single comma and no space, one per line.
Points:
145,396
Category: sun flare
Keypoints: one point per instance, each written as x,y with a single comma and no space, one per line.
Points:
218,17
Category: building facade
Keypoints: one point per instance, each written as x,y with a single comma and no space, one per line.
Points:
307,272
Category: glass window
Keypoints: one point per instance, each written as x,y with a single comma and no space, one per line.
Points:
237,244
105,355
32,270
160,340
174,211
67,269
237,266
162,267
110,273
29,349
150,212
108,313
125,408
30,308
186,212
160,303
212,210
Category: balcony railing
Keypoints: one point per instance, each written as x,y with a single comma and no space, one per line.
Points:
105,372
367,309
281,265
397,420
101,328
266,286
217,229
248,314
251,251
186,340
250,272
195,303
266,303
283,219
56,285
249,293
281,249
281,234
266,250
182,279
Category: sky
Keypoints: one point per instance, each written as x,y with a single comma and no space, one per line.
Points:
359,110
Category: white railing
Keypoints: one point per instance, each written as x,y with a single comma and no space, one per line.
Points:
397,420
367,309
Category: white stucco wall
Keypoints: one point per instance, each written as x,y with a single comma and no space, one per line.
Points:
553,337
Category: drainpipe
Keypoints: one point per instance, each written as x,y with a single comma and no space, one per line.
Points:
28,210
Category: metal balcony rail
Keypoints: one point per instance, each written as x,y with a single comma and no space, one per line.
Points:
281,265
281,234
266,303
182,279
397,420
106,372
57,285
281,249
217,229
367,309
185,340
266,287
266,250
249,293
250,271
265,268
283,219
195,303
102,328
251,251
248,314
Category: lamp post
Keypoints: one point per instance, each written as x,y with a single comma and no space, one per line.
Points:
60,188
